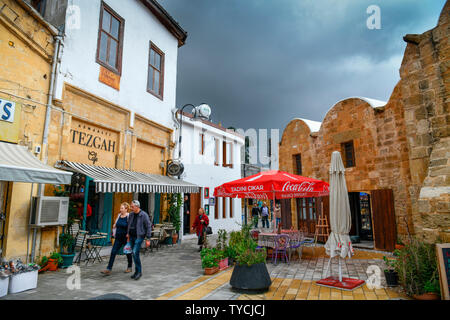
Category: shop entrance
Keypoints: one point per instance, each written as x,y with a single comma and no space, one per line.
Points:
361,218
101,206
193,206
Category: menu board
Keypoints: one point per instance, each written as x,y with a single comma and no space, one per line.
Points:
443,254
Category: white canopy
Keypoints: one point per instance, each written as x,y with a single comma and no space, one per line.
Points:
117,180
17,164
339,242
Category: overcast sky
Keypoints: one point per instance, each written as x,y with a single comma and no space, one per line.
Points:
261,63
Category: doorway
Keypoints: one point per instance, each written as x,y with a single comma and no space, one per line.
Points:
361,218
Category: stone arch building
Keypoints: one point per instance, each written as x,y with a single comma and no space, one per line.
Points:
396,152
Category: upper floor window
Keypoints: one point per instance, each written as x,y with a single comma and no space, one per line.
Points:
216,151
155,83
201,144
227,150
39,5
297,164
110,39
348,151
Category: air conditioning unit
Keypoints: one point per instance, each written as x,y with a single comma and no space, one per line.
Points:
49,211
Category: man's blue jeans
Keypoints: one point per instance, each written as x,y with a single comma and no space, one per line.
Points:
136,245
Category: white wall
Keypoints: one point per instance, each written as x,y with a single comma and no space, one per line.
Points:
200,169
79,66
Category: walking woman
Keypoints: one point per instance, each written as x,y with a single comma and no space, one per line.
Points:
200,224
120,234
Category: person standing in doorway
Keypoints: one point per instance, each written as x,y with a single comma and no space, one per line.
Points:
139,228
265,216
120,229
200,224
255,214
186,214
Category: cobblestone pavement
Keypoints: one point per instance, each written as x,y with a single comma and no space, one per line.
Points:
174,272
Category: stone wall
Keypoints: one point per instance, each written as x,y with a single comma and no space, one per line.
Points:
403,146
425,84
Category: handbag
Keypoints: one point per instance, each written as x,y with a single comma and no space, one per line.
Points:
208,230
127,249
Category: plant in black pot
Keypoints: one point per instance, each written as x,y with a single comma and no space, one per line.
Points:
389,273
250,272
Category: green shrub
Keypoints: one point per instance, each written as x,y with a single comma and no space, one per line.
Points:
210,257
416,265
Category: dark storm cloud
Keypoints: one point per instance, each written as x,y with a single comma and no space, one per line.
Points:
260,63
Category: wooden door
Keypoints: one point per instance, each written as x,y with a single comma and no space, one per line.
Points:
286,218
383,216
194,206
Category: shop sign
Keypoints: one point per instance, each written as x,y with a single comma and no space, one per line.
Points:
7,110
92,144
109,78
9,120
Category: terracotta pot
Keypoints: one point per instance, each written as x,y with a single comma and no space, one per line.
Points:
174,238
212,270
427,296
52,264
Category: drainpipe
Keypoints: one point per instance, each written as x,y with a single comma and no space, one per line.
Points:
58,40
177,126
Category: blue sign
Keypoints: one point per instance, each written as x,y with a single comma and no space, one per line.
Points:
7,110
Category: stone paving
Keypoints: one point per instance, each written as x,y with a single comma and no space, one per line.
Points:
175,273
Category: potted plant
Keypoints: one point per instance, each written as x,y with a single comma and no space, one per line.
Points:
175,202
432,291
390,274
250,272
399,245
417,269
67,242
221,246
210,260
52,262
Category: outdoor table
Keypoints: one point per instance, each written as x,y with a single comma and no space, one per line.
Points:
267,239
95,244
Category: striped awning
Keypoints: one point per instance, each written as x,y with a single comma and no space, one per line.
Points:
20,165
127,181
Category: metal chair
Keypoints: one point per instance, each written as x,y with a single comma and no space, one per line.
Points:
295,244
93,249
281,246
80,243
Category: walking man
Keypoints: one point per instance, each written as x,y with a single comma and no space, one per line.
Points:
265,216
139,228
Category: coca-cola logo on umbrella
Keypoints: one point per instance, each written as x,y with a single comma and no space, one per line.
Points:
303,187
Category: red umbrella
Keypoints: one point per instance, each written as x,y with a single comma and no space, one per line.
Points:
273,184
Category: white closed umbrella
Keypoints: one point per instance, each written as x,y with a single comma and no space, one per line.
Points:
339,243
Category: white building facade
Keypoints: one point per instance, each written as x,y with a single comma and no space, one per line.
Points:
211,156
133,28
